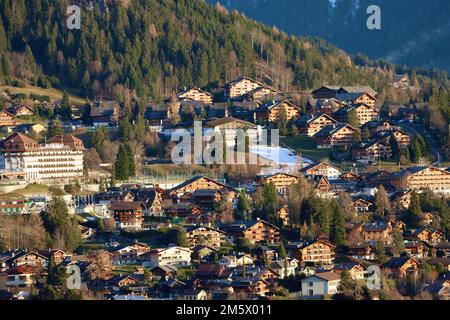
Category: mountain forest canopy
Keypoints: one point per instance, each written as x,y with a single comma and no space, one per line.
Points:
153,48
413,32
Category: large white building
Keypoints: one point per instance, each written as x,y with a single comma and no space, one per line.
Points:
58,161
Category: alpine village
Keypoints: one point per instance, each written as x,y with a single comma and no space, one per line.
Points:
354,207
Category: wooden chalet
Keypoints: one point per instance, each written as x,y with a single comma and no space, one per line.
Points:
269,111
310,125
339,135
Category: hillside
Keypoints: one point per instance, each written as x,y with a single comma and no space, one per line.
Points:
156,47
414,32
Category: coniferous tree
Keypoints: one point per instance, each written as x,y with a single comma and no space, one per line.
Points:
414,212
396,151
337,234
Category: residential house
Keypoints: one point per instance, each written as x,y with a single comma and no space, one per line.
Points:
21,110
255,232
320,284
207,199
241,86
105,113
12,206
163,272
317,252
282,181
399,267
372,152
355,98
21,276
361,251
172,256
364,113
234,131
423,178
194,294
201,235
6,119
236,261
339,135
416,249
283,215
325,92
129,216
356,270
310,125
284,268
262,93
269,112
322,169
374,232
362,205
196,94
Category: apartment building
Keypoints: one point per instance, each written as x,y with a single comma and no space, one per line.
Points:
58,161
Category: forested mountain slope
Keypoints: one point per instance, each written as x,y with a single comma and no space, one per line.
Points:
156,47
414,32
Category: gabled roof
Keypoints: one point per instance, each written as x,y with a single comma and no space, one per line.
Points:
193,89
218,122
125,205
332,129
272,104
327,276
313,165
399,262
353,89
231,83
306,120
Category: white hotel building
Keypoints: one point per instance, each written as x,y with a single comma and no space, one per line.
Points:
58,161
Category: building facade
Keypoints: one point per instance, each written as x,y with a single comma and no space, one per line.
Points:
59,161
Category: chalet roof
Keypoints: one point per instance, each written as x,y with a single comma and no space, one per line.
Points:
18,138
347,266
327,276
307,119
193,179
219,122
243,226
398,262
205,193
193,89
165,268
104,108
151,114
375,227
332,129
313,165
351,96
192,228
125,205
65,139
272,104
356,89
231,83
332,88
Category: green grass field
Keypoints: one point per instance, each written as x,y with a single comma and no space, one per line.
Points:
306,147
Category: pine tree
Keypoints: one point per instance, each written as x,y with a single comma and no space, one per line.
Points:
282,251
337,234
243,204
382,203
130,160
181,239
414,212
352,118
122,166
396,151
55,129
